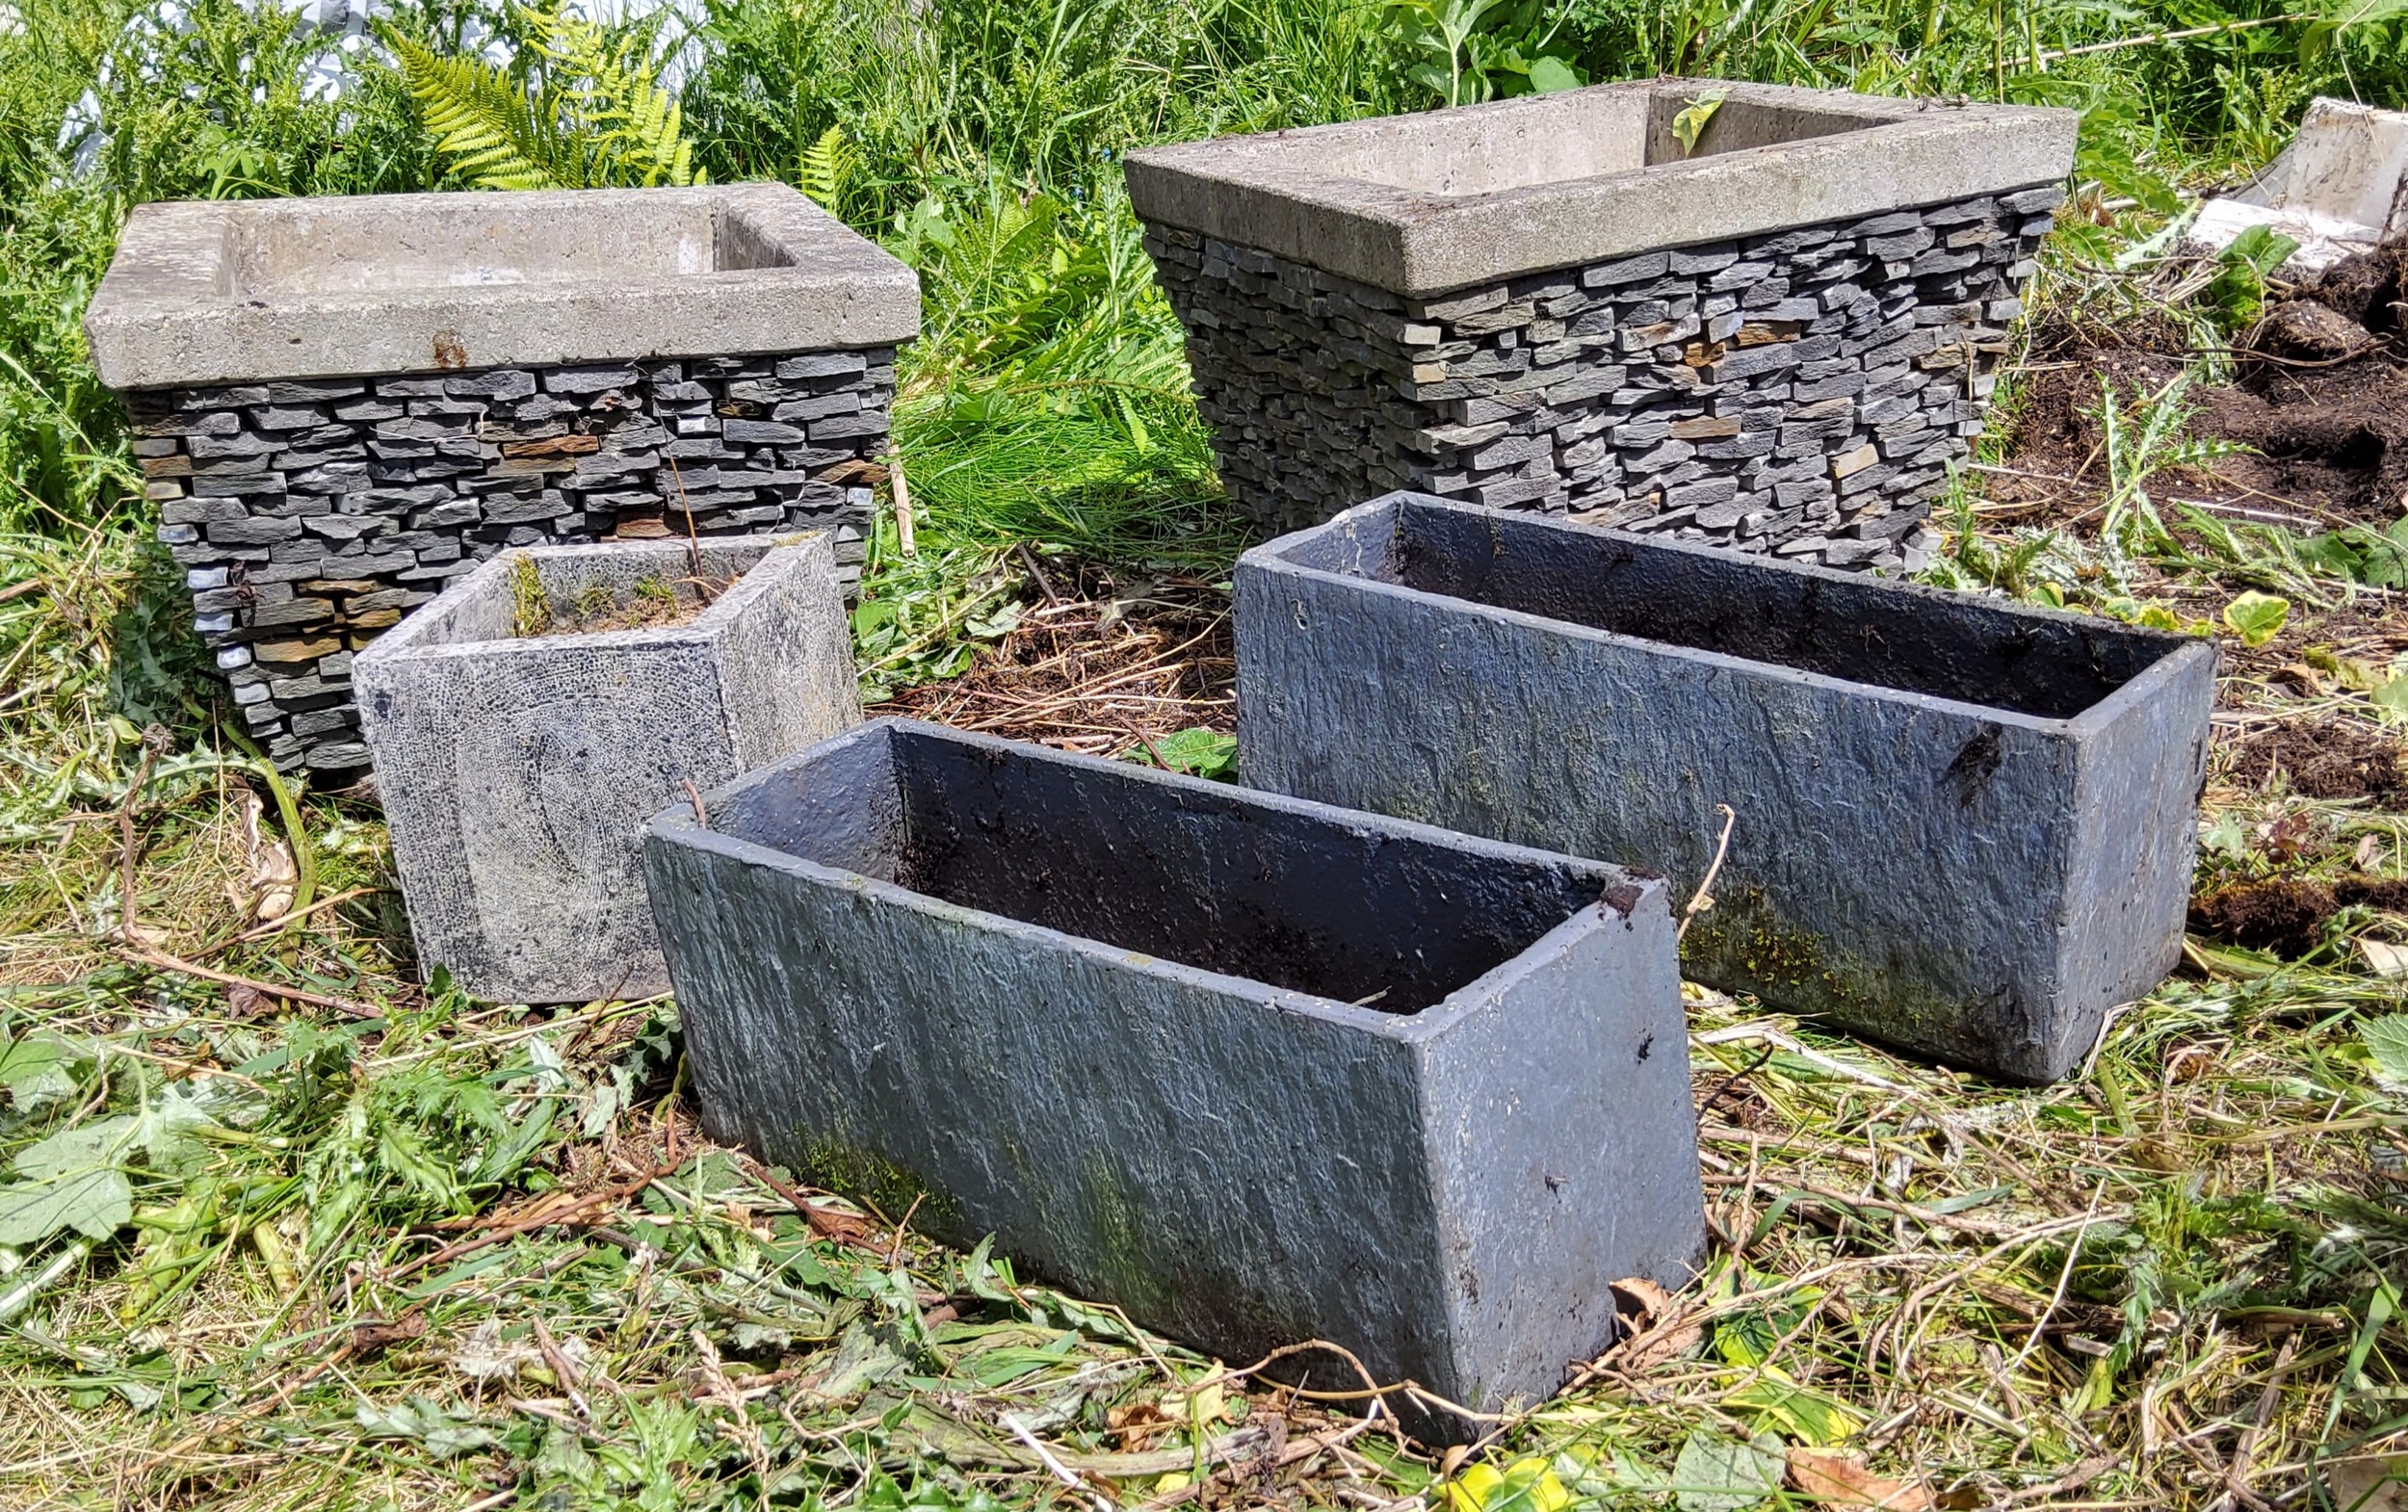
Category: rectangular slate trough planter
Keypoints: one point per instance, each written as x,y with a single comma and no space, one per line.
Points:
343,404
1775,339
1964,827
1255,1069
517,770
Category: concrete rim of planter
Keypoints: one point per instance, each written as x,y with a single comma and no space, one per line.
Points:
204,294
1275,557
1412,204
677,824
420,633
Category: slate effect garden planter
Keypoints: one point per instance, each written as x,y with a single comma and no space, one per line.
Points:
517,770
342,404
1255,1069
1964,827
1778,341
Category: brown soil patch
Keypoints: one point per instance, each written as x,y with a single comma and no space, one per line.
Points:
2334,759
2285,917
2320,397
1103,667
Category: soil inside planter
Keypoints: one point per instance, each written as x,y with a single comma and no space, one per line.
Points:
1217,879
652,603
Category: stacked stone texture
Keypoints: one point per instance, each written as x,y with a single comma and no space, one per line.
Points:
1801,392
310,515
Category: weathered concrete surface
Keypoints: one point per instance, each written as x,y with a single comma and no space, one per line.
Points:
1965,828
516,772
1424,203
1254,1069
231,291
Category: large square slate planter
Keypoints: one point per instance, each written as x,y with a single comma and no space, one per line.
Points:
1778,341
517,770
1255,1069
342,404
1964,827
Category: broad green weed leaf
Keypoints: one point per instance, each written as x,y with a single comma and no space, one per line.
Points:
2255,617
96,1202
1715,1473
2387,1041
1549,73
36,1072
1808,1414
71,1152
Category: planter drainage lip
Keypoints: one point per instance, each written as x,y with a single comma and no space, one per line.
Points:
677,824
411,636
212,293
1340,197
1274,558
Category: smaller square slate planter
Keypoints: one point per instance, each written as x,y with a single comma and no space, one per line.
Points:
1964,827
518,771
1255,1069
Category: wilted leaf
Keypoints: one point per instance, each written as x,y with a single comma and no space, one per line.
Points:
1690,124
445,1436
2368,1485
485,1356
1715,1473
1843,1480
1653,1330
2384,959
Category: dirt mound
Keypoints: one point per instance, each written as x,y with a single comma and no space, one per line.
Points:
2332,760
2323,391
2287,916
2319,399
2370,289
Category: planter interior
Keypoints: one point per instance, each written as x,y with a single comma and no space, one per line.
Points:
1324,909
386,243
2051,668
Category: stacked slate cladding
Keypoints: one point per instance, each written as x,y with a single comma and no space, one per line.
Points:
310,514
1791,381
340,406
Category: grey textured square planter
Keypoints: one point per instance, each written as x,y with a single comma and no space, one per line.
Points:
1777,342
1255,1069
1965,828
343,404
518,771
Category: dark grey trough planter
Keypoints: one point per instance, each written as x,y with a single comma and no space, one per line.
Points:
1255,1069
1965,828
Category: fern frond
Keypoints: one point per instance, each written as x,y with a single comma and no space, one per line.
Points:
825,167
496,135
